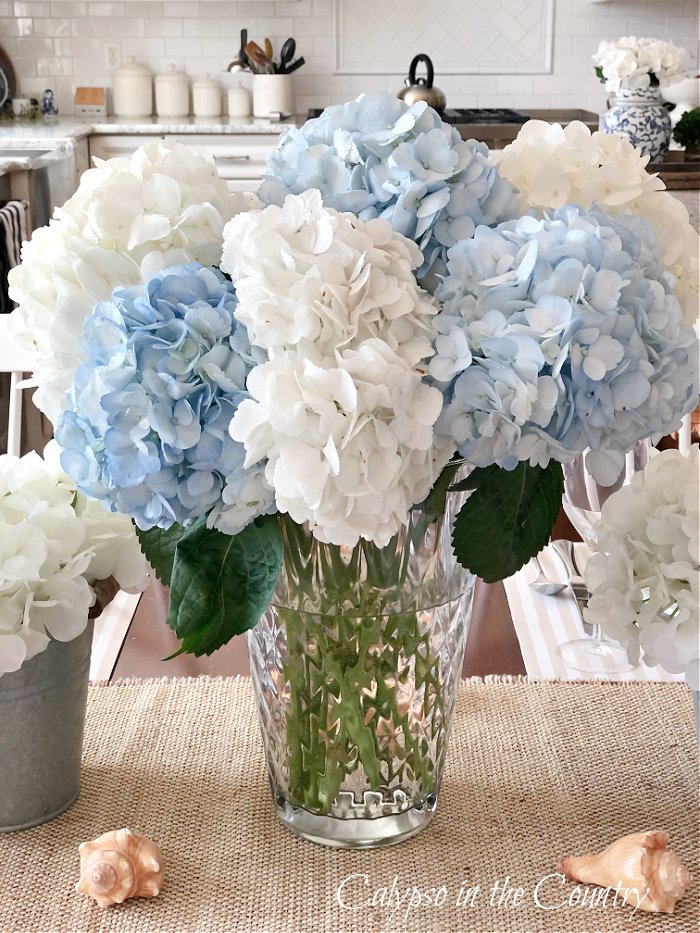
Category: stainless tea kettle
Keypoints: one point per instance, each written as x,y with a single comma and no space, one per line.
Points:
422,88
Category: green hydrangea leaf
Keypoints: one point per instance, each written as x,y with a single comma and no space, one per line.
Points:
507,519
221,584
158,546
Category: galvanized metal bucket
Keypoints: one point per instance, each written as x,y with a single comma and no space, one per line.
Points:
42,717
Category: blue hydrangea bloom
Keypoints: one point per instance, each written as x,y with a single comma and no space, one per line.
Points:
378,157
558,335
146,427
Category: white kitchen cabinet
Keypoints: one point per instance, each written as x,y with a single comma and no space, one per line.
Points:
240,158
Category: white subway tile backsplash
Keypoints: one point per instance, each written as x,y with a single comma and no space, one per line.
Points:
151,8
60,43
32,9
52,27
250,10
181,8
51,67
207,28
164,27
90,26
145,48
31,47
69,8
25,68
272,26
106,9
188,45
296,8
127,28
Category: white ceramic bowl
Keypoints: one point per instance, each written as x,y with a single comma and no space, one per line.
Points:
686,91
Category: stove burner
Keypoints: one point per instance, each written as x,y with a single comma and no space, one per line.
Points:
484,115
470,115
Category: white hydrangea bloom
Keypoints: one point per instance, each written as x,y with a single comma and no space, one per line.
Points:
310,280
53,545
339,411
163,205
631,62
645,574
553,165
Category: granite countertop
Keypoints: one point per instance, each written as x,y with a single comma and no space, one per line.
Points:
60,137
69,129
45,154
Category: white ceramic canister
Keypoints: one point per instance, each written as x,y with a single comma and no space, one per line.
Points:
172,94
239,104
272,94
132,90
206,97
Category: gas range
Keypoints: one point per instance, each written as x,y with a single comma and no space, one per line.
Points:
487,115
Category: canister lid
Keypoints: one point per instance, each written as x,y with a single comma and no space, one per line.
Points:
172,77
206,82
131,67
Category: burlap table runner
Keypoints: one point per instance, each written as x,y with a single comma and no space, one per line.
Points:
535,770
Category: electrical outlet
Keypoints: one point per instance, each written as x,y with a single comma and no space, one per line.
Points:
113,55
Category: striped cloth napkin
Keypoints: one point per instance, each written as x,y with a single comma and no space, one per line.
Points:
543,622
13,232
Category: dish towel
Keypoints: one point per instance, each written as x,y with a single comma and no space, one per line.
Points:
13,231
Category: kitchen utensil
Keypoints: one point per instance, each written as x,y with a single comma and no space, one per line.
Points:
286,55
172,94
542,583
240,62
132,90
267,48
259,62
571,556
422,88
297,64
206,98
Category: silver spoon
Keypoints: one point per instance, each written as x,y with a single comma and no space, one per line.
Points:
566,551
542,584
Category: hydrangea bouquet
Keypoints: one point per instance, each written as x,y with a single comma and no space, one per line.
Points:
633,62
387,307
280,391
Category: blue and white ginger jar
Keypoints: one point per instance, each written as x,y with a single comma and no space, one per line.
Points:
639,114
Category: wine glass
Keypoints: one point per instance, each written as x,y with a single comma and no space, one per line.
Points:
583,501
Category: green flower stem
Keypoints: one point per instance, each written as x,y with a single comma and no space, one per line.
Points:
327,734
349,637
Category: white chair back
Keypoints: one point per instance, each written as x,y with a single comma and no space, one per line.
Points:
17,361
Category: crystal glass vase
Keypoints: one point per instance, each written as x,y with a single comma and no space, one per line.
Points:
639,114
355,666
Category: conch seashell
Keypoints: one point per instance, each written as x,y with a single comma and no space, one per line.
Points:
642,861
120,864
